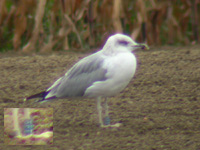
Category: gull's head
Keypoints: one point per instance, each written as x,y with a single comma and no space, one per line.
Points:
121,42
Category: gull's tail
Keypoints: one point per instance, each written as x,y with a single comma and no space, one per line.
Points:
40,95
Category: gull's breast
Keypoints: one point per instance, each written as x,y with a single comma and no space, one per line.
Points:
120,70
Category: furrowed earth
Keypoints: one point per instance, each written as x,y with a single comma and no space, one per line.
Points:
160,108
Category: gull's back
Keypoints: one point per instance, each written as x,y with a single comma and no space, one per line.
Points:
81,76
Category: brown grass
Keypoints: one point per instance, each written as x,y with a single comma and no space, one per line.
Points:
80,24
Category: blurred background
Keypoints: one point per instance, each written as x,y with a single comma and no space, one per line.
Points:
52,25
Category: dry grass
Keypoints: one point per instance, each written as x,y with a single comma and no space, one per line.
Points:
80,24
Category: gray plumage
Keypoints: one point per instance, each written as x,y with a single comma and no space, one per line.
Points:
79,78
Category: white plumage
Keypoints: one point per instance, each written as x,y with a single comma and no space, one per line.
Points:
100,75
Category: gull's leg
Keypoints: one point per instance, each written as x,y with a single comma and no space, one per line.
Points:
106,107
106,118
99,111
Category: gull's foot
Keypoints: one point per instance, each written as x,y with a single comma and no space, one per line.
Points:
106,120
116,125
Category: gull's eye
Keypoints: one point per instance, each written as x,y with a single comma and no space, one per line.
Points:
122,42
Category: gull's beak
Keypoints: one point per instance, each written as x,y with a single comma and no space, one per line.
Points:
142,46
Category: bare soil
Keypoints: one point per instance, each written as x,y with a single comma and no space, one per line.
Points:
160,109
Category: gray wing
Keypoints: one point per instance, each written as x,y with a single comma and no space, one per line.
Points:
79,78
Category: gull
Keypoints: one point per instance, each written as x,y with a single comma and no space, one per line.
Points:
100,75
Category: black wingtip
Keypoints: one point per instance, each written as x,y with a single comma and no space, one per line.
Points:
38,95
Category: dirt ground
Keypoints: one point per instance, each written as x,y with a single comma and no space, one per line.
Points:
159,110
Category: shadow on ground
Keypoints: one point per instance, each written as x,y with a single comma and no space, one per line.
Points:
160,109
